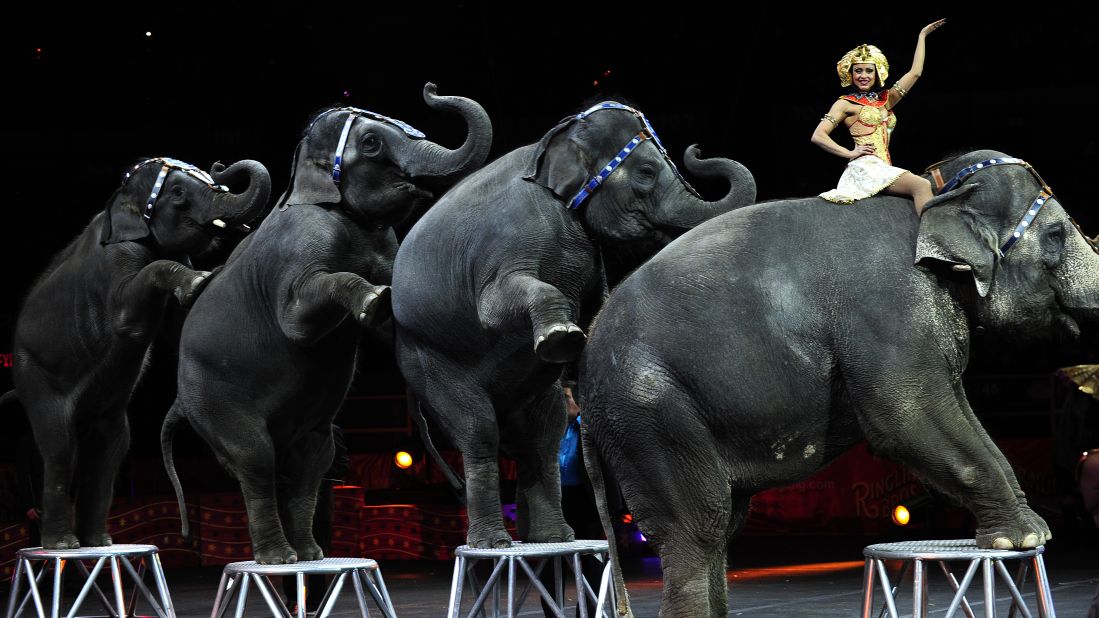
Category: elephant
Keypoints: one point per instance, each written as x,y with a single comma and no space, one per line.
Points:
492,287
85,329
267,354
763,344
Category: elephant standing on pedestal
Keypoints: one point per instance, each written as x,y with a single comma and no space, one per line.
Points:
759,346
492,286
268,353
83,334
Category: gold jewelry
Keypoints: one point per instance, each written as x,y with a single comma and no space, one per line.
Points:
864,53
900,91
830,119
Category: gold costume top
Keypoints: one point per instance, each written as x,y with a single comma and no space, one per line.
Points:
874,124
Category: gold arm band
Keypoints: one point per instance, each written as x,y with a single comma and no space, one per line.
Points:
900,91
830,119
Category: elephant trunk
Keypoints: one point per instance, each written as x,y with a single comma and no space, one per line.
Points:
240,208
425,158
689,211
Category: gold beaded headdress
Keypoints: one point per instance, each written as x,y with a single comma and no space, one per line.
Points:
864,53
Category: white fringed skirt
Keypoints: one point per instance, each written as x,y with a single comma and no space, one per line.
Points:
864,177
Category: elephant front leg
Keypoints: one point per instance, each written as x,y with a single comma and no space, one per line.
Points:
1036,521
921,425
557,339
321,301
142,297
101,452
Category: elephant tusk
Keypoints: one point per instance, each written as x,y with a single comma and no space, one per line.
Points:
962,268
218,222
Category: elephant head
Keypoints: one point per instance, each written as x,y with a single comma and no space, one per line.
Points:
608,163
181,209
369,164
1033,268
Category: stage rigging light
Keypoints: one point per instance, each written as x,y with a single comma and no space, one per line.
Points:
901,515
403,459
148,33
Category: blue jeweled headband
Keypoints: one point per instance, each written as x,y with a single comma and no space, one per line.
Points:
647,133
167,164
408,129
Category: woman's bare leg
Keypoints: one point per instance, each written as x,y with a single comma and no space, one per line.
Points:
911,185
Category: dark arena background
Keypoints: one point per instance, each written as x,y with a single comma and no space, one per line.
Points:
87,93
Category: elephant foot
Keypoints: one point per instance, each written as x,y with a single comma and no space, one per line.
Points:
1026,532
310,551
559,343
60,541
496,538
189,291
1035,522
95,539
551,534
282,555
377,306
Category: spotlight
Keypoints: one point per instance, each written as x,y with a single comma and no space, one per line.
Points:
901,515
403,459
148,33
627,518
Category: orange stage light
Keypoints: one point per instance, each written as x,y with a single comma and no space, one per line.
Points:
403,459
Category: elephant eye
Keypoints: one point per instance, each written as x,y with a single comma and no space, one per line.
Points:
371,144
646,173
176,191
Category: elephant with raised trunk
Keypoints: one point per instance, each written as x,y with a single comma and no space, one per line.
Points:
84,331
759,346
268,352
492,289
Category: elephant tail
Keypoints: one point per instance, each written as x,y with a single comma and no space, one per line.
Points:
8,397
456,483
167,433
594,464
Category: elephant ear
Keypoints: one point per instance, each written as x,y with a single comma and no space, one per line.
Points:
559,163
955,235
311,179
122,221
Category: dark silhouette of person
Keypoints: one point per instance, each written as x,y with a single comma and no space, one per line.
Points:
577,504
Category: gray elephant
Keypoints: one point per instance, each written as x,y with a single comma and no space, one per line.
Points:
491,288
268,352
761,345
83,333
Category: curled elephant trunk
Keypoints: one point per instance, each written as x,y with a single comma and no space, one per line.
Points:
425,158
240,208
690,211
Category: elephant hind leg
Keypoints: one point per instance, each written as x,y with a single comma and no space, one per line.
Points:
533,436
245,450
679,490
55,436
102,447
304,465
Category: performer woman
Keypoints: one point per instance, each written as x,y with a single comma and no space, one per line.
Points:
866,111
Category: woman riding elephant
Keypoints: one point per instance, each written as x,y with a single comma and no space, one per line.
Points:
868,116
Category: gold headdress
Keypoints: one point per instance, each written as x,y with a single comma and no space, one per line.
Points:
863,53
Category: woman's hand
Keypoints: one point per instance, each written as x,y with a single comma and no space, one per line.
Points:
861,150
929,28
